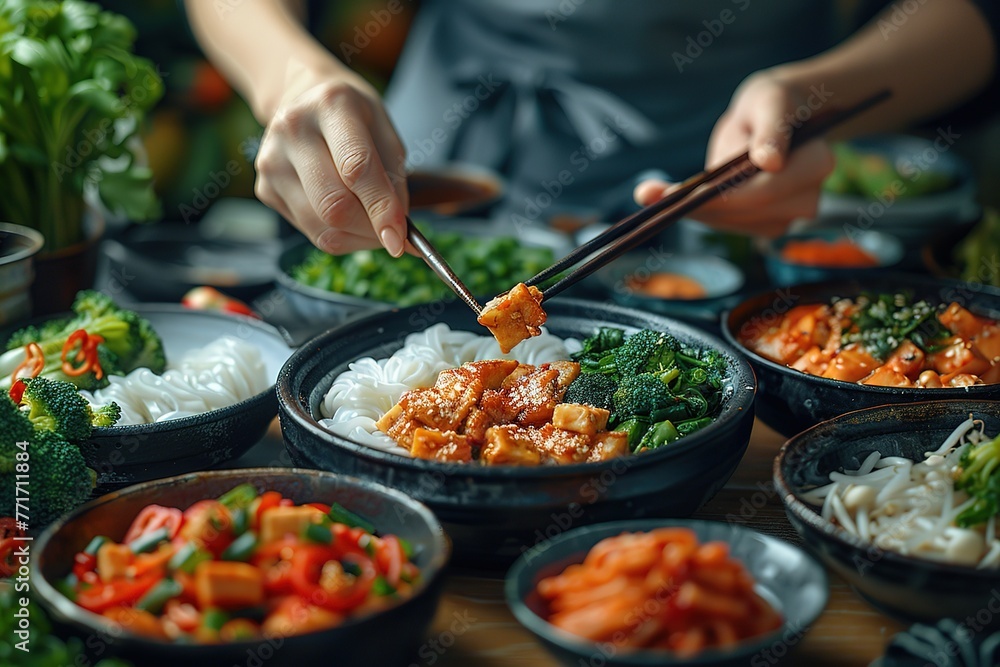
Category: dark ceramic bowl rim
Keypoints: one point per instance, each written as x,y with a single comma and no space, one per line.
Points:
465,172
205,417
772,252
740,400
33,236
805,512
538,625
98,623
930,393
703,301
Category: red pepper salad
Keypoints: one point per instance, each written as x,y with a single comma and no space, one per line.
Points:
241,567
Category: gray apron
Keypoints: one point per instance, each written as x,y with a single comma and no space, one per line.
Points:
572,99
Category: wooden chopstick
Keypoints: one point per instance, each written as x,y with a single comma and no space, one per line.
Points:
650,221
440,266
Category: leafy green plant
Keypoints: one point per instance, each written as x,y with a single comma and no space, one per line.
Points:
72,98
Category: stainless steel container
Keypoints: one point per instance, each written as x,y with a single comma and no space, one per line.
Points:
18,245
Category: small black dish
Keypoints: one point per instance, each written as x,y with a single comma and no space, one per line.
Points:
949,643
791,401
907,587
360,642
787,577
493,514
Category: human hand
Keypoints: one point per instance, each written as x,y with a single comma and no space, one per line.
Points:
325,162
761,117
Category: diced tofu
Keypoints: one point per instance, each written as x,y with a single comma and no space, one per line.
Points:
113,561
294,616
814,362
476,425
960,321
987,341
884,376
228,585
907,359
514,316
579,418
958,357
511,445
441,446
517,374
608,445
277,522
851,364
532,399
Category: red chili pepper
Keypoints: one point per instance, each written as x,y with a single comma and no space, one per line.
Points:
103,596
83,563
17,391
307,567
86,356
154,517
390,557
209,298
322,507
34,362
8,545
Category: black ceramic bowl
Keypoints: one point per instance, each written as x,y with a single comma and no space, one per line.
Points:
135,453
786,577
387,638
791,401
494,513
908,587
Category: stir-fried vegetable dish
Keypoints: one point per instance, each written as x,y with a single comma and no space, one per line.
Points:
242,566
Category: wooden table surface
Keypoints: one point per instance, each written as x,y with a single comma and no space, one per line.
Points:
850,633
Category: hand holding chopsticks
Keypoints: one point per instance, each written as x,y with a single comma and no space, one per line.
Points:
645,224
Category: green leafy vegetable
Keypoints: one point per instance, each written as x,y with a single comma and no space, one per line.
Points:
980,478
884,321
72,100
486,265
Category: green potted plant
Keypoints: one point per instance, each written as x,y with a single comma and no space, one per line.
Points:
72,99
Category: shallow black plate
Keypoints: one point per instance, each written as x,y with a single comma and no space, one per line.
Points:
791,401
360,643
907,587
493,514
787,577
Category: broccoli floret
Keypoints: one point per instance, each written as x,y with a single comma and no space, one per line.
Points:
129,342
14,423
57,406
646,351
60,478
980,477
105,415
151,355
592,389
640,395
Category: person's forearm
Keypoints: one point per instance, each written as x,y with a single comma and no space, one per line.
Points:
257,44
937,56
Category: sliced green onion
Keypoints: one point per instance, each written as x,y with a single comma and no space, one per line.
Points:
95,545
158,595
239,497
382,587
241,520
318,533
187,558
214,619
149,541
241,548
340,514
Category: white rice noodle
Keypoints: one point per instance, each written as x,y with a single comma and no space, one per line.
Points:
224,372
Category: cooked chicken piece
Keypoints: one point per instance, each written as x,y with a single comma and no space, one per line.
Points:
562,446
568,371
988,343
584,419
476,425
398,425
514,316
511,445
607,445
961,321
532,399
445,405
958,357
441,446
517,374
493,373
814,362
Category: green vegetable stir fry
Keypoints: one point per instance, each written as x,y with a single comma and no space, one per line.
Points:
487,266
657,390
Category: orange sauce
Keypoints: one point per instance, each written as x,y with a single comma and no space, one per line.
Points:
817,252
668,286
